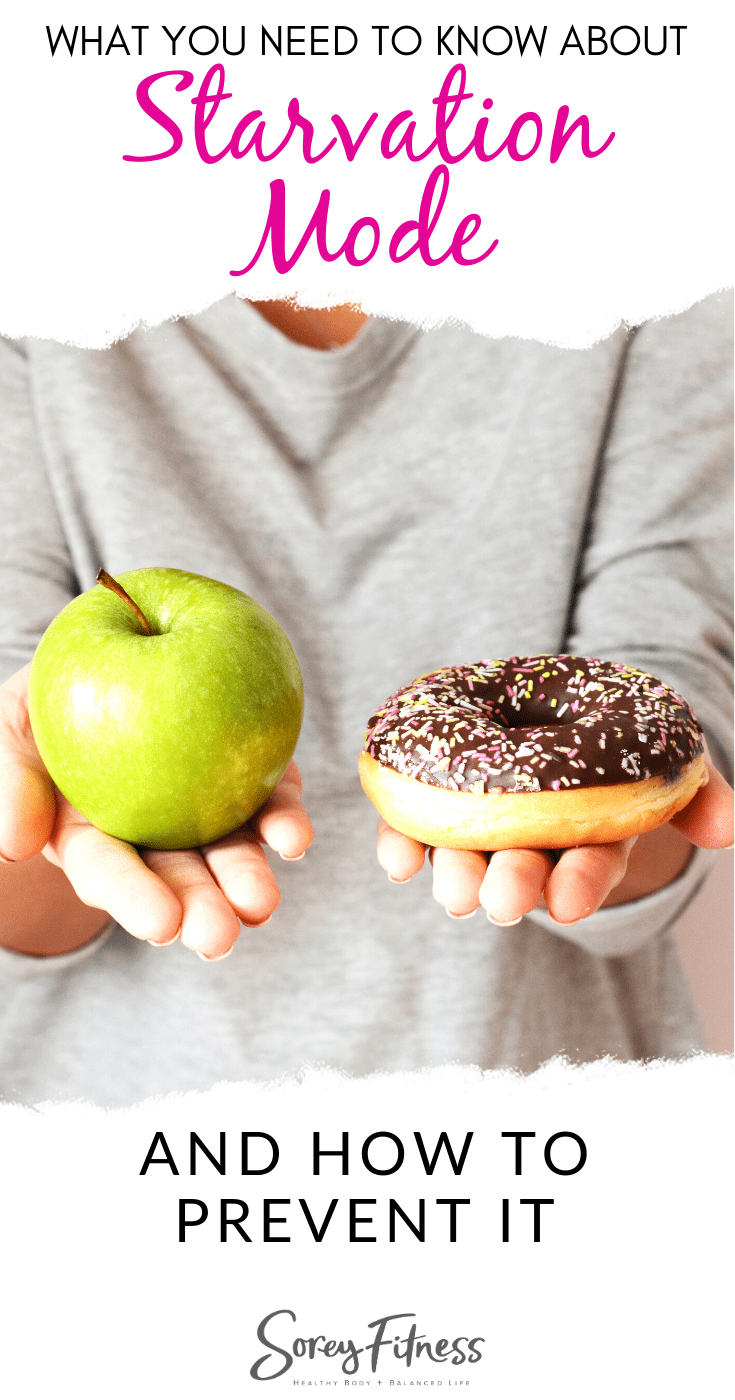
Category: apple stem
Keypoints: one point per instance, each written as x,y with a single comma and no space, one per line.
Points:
115,587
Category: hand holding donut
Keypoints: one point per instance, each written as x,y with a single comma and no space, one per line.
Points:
475,737
583,878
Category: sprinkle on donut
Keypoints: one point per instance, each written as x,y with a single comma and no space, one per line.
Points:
533,724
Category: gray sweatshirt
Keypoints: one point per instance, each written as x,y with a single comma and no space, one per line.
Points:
407,502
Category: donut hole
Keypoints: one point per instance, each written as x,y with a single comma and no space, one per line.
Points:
532,714
557,696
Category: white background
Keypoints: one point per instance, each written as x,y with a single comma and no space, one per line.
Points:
616,1298
619,1294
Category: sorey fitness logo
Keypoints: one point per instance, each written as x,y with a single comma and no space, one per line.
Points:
395,1343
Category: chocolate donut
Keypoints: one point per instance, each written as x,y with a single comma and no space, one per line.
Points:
537,751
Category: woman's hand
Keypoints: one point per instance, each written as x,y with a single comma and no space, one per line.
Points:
199,896
580,880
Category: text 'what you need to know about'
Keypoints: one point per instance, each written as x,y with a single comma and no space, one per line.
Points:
277,41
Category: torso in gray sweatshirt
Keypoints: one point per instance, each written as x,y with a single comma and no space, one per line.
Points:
410,501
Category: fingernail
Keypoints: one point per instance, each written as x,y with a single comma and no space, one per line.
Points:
156,944
395,881
262,924
504,923
220,958
471,914
283,857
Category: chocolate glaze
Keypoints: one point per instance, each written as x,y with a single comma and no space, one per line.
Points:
535,723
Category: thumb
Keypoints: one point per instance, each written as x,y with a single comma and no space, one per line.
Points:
27,800
708,819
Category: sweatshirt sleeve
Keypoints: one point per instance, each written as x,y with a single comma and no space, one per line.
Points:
25,967
654,585
36,575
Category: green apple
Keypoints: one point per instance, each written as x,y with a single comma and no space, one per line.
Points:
174,738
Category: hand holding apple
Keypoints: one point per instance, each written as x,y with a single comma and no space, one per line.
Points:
156,896
197,894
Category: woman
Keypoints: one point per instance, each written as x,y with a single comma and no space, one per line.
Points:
399,501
